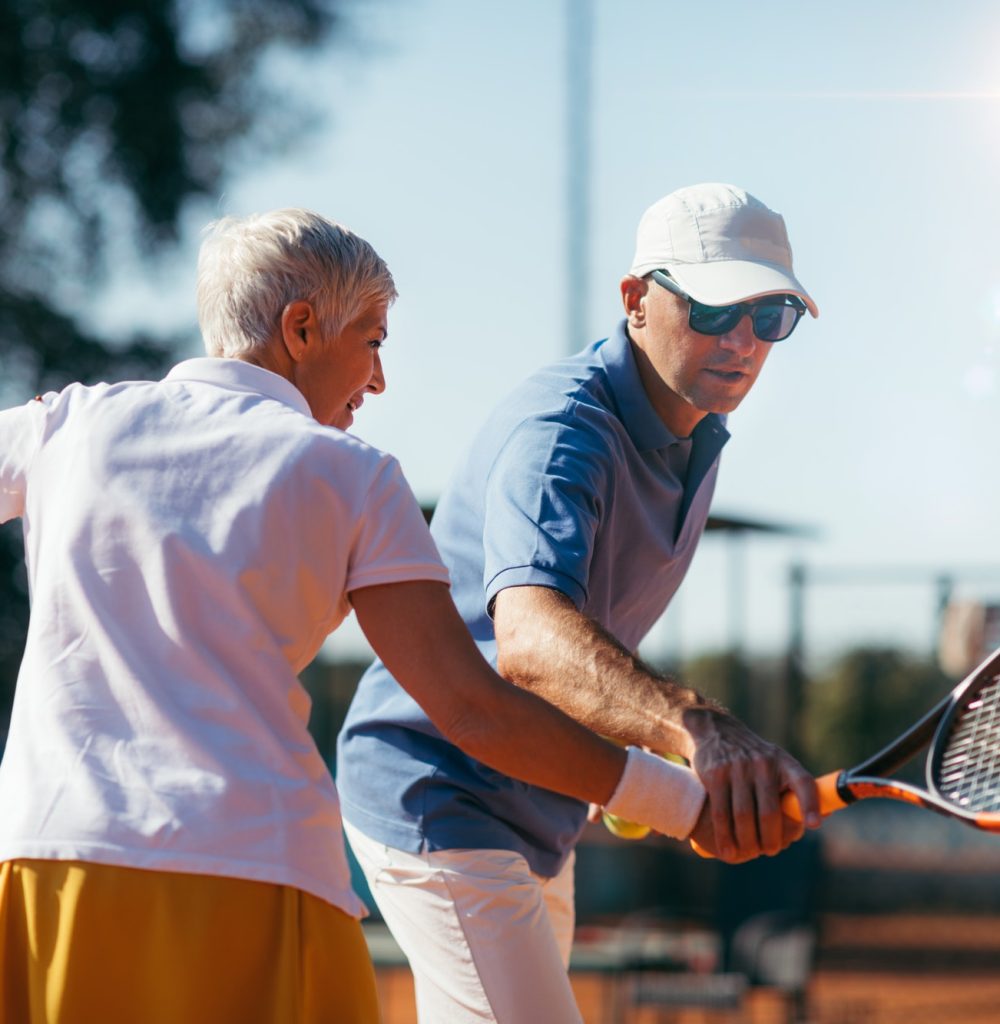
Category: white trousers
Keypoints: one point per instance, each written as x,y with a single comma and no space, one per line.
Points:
487,940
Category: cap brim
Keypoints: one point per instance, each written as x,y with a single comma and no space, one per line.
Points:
727,281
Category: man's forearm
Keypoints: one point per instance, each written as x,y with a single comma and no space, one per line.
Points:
548,647
420,637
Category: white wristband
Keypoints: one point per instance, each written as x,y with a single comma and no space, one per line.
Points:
652,791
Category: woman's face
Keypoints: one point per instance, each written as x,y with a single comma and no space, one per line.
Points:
336,375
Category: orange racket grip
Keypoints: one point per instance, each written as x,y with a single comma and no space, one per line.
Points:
829,799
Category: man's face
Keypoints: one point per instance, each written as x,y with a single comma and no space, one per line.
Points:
687,374
336,375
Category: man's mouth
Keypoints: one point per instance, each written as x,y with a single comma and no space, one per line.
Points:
729,375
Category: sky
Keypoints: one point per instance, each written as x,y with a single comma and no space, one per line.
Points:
873,126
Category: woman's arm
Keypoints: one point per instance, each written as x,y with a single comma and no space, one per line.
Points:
417,632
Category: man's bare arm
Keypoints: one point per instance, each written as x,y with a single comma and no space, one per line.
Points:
545,645
548,647
419,635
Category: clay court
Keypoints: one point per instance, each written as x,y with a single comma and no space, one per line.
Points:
889,916
944,970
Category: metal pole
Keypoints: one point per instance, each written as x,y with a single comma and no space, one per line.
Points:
795,672
738,694
945,586
737,592
579,34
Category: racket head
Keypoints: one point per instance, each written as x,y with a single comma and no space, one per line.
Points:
934,732
963,765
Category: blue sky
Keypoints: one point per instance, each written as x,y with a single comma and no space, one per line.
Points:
873,127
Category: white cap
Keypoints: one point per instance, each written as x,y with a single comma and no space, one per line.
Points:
720,244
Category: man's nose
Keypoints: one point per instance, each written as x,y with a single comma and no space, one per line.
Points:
741,338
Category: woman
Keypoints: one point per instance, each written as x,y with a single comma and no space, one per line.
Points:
170,838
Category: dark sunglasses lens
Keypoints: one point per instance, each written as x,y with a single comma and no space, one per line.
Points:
775,322
714,319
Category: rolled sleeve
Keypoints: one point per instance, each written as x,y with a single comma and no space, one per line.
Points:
530,576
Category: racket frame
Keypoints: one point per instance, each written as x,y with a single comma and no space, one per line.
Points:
868,779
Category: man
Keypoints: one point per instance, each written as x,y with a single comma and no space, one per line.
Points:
567,530
170,837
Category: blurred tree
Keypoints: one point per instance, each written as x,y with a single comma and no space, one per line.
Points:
113,115
712,673
860,702
864,700
750,687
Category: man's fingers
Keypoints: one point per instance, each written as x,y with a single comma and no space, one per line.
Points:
803,785
744,805
717,788
769,817
745,777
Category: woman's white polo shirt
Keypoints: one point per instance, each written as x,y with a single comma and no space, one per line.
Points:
190,544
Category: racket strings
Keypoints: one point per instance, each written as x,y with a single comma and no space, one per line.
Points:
969,767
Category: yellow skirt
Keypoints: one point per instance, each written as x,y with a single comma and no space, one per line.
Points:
95,944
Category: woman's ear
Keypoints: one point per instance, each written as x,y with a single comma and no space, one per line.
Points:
298,324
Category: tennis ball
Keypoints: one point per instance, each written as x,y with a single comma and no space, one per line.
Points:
623,828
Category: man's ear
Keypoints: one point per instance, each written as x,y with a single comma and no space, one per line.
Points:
634,291
298,327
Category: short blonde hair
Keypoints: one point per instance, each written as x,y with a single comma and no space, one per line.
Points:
251,268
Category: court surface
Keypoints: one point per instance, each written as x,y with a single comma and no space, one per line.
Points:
879,970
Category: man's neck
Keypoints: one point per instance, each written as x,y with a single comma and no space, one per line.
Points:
678,415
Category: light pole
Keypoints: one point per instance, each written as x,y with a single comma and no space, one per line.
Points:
579,38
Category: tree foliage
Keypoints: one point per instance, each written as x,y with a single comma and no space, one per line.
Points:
864,700
854,706
113,115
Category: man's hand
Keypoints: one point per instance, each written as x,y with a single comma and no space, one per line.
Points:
547,646
744,777
704,836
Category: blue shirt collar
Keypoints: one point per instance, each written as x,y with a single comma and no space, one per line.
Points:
641,420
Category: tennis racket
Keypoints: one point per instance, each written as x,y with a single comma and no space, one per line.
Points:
962,737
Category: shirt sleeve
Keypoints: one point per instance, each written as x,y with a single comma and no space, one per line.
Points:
392,543
20,436
544,501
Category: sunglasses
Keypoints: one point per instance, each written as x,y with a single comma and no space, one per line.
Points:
774,317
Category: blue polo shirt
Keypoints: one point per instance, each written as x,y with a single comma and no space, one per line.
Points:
573,483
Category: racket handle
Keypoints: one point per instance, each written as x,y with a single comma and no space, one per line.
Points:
830,799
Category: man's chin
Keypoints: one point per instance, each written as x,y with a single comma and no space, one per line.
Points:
720,404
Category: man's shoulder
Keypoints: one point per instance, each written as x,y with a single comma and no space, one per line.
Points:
573,391
564,406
